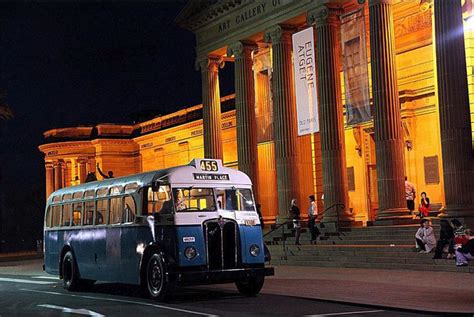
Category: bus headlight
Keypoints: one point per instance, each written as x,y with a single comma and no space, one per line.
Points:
190,253
254,250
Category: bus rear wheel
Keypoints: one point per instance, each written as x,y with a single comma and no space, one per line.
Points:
70,272
156,284
71,280
250,286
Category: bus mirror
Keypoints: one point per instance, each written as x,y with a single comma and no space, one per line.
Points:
155,186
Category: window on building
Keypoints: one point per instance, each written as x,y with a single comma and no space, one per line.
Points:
116,208
129,209
67,215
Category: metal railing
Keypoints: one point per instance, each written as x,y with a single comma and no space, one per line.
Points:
287,221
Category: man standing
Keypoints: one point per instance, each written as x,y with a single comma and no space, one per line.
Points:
410,195
312,216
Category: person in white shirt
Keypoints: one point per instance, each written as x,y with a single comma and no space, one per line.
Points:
425,238
410,194
312,217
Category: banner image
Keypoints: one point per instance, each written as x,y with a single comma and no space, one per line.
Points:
356,78
305,82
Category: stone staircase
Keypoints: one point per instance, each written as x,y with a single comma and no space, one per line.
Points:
381,247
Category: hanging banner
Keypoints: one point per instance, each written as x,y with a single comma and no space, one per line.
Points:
305,82
355,64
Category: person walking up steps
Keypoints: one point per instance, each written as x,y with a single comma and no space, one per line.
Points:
295,214
312,217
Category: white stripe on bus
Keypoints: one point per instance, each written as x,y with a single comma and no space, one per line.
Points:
17,280
46,277
121,301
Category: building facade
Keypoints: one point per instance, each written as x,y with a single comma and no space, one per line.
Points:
412,60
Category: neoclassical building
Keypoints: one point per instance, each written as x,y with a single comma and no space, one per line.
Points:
395,99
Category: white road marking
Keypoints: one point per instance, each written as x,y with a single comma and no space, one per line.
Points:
17,280
348,313
121,301
80,311
46,277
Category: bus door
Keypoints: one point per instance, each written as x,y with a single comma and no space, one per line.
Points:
160,204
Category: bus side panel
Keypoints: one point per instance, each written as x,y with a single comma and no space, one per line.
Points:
52,251
251,235
82,243
114,253
130,259
166,237
191,236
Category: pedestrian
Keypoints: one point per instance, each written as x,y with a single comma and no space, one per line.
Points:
312,217
446,234
465,253
110,174
295,215
425,238
424,207
461,234
410,194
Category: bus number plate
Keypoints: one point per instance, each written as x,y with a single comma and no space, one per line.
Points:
209,166
250,222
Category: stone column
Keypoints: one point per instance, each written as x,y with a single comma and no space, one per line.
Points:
387,119
456,139
58,175
49,178
284,116
82,166
328,56
245,109
211,106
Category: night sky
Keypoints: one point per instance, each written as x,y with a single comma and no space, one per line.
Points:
81,64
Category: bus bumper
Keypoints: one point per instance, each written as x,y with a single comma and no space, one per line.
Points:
218,276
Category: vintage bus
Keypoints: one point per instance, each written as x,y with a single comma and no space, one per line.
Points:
192,224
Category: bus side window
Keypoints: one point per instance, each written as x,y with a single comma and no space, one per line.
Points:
115,215
76,214
129,209
56,216
160,201
67,209
48,217
88,213
101,211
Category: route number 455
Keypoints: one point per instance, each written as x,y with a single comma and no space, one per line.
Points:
209,166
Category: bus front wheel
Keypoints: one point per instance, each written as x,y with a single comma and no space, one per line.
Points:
250,286
157,286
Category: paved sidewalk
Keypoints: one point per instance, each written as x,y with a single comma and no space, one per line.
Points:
414,290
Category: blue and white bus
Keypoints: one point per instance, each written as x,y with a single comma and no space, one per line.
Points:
192,224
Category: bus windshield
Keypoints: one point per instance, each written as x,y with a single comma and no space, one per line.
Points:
239,199
194,199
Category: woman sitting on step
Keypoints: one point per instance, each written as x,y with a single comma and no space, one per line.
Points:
425,238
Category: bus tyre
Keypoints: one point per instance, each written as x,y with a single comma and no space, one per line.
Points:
250,286
71,280
156,284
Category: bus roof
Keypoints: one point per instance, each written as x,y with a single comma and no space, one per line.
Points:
198,171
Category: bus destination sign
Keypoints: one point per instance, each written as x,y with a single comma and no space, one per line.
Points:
211,177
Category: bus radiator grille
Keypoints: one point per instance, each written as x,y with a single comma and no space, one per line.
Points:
222,244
